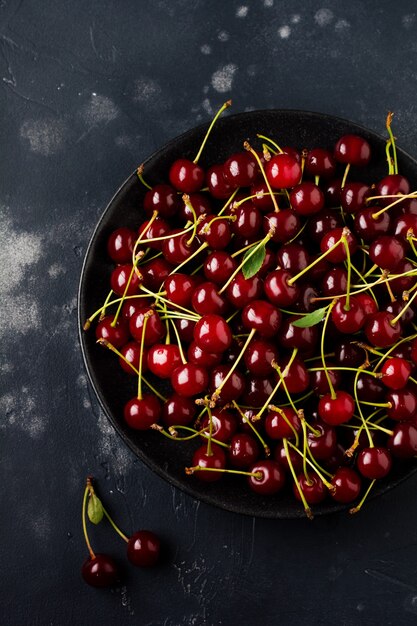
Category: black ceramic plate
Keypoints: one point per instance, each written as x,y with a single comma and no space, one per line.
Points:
168,458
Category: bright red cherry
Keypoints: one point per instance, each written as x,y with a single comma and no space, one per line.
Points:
232,389
158,228
243,290
259,355
162,198
285,223
186,176
163,359
219,266
387,252
131,353
155,329
322,442
278,290
297,378
124,281
141,413
392,185
117,335
243,450
120,245
283,171
200,357
224,425
189,380
396,373
338,410
403,404
143,548
320,162
290,336
351,320
180,288
313,489
217,460
271,479
212,333
338,254
347,485
206,299
353,149
380,331
282,424
241,169
217,184
368,228
262,316
353,196
306,198
374,463
178,248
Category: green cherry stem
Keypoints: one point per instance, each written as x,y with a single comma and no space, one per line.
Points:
253,152
307,509
225,106
134,270
345,175
139,172
271,141
323,360
146,316
403,310
258,415
173,304
357,508
273,407
293,279
355,391
349,273
188,259
247,421
389,158
84,517
216,394
329,486
106,304
198,468
392,139
183,359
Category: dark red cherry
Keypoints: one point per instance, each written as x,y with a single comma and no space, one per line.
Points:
403,224
387,252
285,223
271,479
396,373
334,282
143,548
117,335
353,196
120,245
348,354
321,223
179,289
206,299
262,316
338,254
283,171
162,198
403,283
163,359
332,192
243,450
241,169
290,336
131,352
219,266
324,443
248,222
200,203
141,413
306,198
282,424
313,490
185,329
215,232
262,198
320,162
392,185
178,410
338,410
158,228
186,176
259,355
278,290
293,257
124,281
280,455
352,149
297,378
347,485
369,388
189,380
369,228
232,389
368,304
351,320
178,248
217,460
155,329
200,357
403,404
403,443
224,425
212,333
374,463
155,272
243,290
217,184
320,383
380,331
102,571
257,390
132,306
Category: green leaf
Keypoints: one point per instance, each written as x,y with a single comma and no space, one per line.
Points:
311,319
252,261
95,509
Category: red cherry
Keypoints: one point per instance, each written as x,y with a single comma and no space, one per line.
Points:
369,228
271,480
387,252
206,299
278,290
186,176
259,355
403,443
155,328
120,245
374,463
396,373
178,410
324,444
285,225
219,266
117,335
261,316
212,333
131,352
351,320
178,248
353,149
282,424
347,485
380,331
353,196
161,198
141,413
155,272
338,410
200,357
392,185
224,425
143,548
100,571
283,171
306,198
158,228
297,378
338,255
215,232
241,169
119,279
180,288
217,460
290,336
217,184
241,291
320,162
232,389
403,404
189,380
163,359
243,450
313,490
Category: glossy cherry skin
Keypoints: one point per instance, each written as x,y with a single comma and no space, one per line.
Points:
320,383
283,171
189,380
163,359
396,373
143,548
272,478
240,169
162,198
347,485
392,185
293,257
186,176
206,299
212,333
379,330
241,291
224,425
306,198
290,336
403,443
117,335
124,281
403,224
232,389
282,424
332,192
403,283
101,571
131,352
369,228
352,149
217,460
369,388
215,232
155,329
243,451
141,413
262,199
348,321
177,248
178,410
374,463
217,184
334,283
158,228
280,455
348,354
219,266
320,162
314,493
387,252
338,254
257,390
321,223
353,196
248,222
367,303
403,404
200,357
185,329
120,245
259,355
278,290
324,444
339,410
297,378
200,203
155,272
262,316
286,225
180,288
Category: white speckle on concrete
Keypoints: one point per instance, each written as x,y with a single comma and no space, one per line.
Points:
55,270
222,79
205,49
341,25
295,19
6,368
284,32
45,137
206,89
223,36
268,3
408,20
207,106
323,17
19,409
110,447
100,110
146,90
242,11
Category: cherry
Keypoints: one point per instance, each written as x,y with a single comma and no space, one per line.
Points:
132,306
353,196
219,266
351,320
161,198
403,404
338,410
293,257
290,336
347,485
285,225
215,460
392,185
313,489
119,279
155,272
297,377
141,413
374,463
278,290
163,359
224,425
241,169
380,331
117,335
283,171
185,329
131,354
280,455
232,389
257,391
369,228
396,373
320,383
403,283
200,203
212,333
387,252
403,224
179,289
352,149
217,184
206,299
271,480
262,198
403,442
243,450
338,255
369,388
158,228
243,290
262,316
332,193
200,357
177,249
320,162
143,548
367,303
155,328
324,444
305,302
178,410
248,222
306,198
100,571
348,354
215,232
334,282
321,223
189,380
278,423
120,245
186,176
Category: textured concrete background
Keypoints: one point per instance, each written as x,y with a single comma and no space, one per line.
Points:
88,89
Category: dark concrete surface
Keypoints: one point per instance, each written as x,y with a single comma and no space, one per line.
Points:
88,90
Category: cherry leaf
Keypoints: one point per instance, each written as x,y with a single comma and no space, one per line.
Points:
311,319
252,261
95,509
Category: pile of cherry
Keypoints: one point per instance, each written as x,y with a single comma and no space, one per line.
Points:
275,296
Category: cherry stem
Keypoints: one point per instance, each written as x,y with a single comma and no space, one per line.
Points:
194,254
389,159
272,407
349,273
275,389
105,305
326,319
250,245
228,202
92,317
329,486
287,393
199,468
248,147
403,310
293,279
247,421
132,271
357,508
173,435
392,138
307,509
271,141
183,359
210,435
217,392
142,346
84,513
355,391
307,477
115,527
400,197
178,306
258,195
225,106
342,184
246,259
139,173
